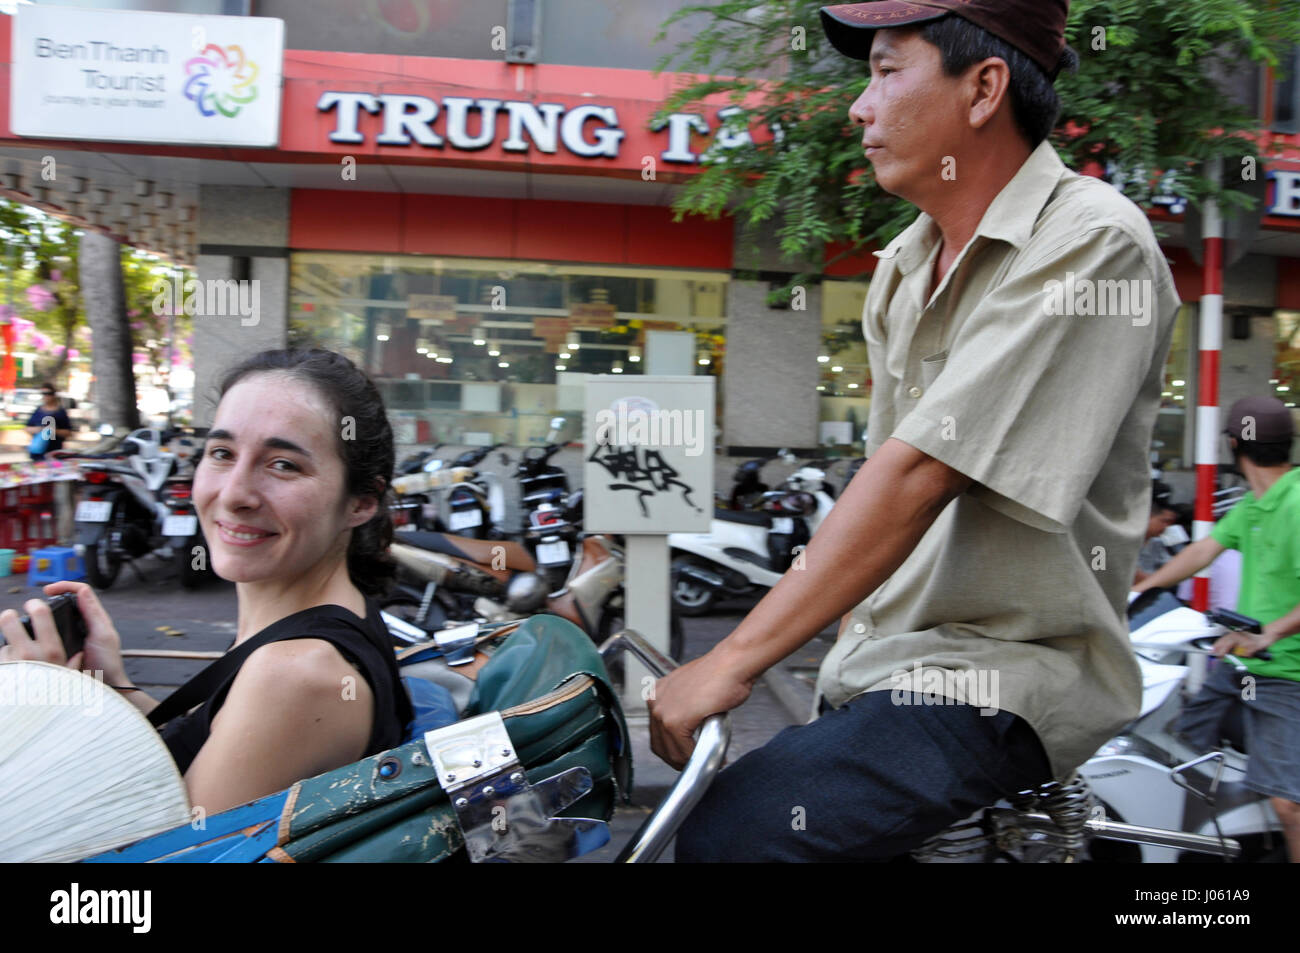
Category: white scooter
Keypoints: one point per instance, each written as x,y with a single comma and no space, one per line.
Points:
1147,776
126,508
1145,796
748,550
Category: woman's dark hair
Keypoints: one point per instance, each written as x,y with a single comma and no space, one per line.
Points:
365,444
1034,102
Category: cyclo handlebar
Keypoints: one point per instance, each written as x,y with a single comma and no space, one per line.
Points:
703,766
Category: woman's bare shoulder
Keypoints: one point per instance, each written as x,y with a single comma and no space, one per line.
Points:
300,667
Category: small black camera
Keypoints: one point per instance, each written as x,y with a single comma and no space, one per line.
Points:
67,619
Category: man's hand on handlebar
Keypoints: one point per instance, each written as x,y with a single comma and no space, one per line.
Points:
684,698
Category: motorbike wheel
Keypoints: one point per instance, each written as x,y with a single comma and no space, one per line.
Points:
690,598
102,564
190,577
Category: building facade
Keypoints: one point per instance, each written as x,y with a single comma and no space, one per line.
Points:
470,201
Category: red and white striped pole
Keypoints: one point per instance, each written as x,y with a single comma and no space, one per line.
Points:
1207,400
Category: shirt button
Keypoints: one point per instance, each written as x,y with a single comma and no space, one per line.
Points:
914,392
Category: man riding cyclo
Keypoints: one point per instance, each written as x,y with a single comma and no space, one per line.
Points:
1008,449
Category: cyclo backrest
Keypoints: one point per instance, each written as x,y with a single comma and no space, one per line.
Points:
549,685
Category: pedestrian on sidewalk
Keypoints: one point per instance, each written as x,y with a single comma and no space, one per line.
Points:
994,529
48,425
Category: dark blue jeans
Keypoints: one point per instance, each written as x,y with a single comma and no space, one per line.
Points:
872,780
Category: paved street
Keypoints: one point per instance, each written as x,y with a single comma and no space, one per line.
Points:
141,609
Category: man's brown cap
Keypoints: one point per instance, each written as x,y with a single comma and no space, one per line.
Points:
1034,27
1261,420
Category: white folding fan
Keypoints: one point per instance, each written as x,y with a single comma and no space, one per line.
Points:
81,769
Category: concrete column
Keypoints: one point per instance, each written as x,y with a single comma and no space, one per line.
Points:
771,373
243,236
222,340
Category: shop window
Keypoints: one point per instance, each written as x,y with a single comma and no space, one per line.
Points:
1286,94
477,346
1171,446
1285,382
844,373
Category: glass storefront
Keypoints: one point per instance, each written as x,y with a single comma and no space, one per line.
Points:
844,379
479,351
1171,437
1285,383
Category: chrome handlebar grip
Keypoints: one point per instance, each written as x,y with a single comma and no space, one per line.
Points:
650,840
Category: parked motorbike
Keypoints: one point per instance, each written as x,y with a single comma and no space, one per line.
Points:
418,510
133,501
444,580
747,550
180,528
747,486
470,503
550,538
1145,796
541,483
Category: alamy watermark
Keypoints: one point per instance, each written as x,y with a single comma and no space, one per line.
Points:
1132,298
626,427
47,688
927,685
213,297
129,907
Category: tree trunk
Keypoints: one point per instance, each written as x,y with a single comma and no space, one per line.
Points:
68,320
105,301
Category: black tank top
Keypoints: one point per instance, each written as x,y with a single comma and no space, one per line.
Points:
366,645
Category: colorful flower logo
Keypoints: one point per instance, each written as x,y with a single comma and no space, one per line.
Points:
221,80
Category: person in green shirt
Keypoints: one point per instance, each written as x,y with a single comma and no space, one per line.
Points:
1265,528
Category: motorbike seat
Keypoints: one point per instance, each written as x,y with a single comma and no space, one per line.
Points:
481,551
747,517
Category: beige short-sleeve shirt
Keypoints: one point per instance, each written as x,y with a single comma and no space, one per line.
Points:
1035,369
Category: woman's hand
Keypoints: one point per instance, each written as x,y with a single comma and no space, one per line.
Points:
101,652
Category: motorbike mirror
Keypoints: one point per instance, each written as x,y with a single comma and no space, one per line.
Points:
557,423
526,593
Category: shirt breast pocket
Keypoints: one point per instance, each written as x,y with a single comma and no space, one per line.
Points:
931,367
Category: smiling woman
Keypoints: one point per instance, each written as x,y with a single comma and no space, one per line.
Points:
290,492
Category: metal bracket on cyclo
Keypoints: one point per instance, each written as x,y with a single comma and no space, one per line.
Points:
501,815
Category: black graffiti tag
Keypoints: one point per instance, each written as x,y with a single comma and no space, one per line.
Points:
646,472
